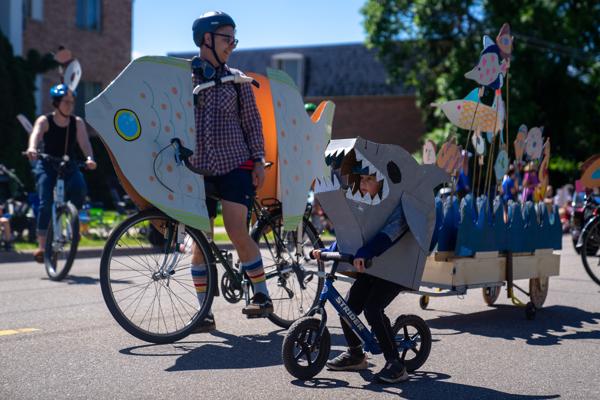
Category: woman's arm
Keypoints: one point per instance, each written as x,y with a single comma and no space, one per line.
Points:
84,144
40,127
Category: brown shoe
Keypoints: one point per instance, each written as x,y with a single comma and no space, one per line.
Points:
206,325
38,256
260,306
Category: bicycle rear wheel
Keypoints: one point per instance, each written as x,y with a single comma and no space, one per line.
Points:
294,281
589,251
60,250
149,289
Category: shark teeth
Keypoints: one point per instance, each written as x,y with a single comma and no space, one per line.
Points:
325,184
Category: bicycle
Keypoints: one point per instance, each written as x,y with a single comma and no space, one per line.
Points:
62,237
307,343
149,289
589,241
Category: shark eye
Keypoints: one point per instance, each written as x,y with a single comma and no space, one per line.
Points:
394,172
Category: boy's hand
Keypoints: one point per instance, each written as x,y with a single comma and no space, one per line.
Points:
359,264
258,175
316,254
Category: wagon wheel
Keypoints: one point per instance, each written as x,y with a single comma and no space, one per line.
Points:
491,294
538,290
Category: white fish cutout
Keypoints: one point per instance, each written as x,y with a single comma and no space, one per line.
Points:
534,143
136,116
72,75
300,144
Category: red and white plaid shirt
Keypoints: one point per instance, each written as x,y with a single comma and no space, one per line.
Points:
226,137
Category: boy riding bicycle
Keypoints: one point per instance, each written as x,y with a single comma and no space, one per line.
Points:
372,294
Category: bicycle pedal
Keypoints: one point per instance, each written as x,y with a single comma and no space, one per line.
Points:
256,316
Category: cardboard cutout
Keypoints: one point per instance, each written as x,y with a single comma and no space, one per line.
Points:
478,143
300,145
543,175
449,157
490,69
501,165
72,75
357,218
25,123
136,116
470,114
591,172
429,152
504,40
520,142
534,142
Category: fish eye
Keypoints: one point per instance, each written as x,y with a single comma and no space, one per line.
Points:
394,172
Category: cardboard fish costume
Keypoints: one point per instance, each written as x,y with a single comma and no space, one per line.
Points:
136,116
359,218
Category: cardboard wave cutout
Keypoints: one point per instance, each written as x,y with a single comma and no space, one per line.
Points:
300,145
358,218
470,114
136,116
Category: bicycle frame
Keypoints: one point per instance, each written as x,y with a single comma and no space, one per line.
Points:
330,294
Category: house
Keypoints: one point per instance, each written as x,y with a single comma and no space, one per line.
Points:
351,76
98,32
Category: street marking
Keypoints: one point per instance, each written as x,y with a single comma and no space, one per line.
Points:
7,332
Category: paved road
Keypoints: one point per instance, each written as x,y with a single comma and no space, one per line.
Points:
479,352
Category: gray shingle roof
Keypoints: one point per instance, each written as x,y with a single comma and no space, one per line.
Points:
330,70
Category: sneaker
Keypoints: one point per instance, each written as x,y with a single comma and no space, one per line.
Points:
260,306
348,362
393,372
206,325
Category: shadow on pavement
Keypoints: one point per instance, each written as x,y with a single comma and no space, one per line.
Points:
422,385
551,326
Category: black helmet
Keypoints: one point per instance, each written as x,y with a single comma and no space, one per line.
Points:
210,22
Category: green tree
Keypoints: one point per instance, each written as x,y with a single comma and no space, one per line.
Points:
554,73
17,77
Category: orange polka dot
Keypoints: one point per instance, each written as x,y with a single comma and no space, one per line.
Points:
296,178
285,162
178,115
192,130
167,129
308,162
189,103
153,124
189,188
294,121
278,103
170,196
295,148
169,168
282,133
174,90
151,178
163,106
307,137
154,154
142,95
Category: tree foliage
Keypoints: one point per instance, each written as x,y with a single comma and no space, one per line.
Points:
554,73
17,85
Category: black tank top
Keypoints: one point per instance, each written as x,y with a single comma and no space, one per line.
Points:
54,139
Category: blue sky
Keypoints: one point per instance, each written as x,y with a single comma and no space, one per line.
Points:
160,27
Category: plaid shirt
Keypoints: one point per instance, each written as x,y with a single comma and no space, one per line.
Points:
226,135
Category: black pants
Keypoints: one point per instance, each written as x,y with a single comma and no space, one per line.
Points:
372,295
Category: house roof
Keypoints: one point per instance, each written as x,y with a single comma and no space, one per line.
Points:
330,70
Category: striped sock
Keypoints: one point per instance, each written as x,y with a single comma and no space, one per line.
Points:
256,273
199,279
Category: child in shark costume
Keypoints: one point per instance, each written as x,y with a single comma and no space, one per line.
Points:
390,222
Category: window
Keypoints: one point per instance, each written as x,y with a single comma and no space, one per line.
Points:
85,92
293,65
33,9
89,14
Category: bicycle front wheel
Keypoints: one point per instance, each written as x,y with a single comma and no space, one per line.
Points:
589,251
294,280
149,289
61,246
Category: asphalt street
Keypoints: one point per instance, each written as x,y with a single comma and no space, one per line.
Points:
58,341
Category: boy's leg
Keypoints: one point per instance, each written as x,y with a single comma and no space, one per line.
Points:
354,358
381,295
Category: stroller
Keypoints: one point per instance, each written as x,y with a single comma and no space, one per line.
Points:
18,206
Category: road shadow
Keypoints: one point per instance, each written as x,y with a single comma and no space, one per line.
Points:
423,385
551,326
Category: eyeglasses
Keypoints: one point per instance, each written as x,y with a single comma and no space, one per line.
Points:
231,40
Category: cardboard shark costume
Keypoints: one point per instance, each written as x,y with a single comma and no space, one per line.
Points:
358,218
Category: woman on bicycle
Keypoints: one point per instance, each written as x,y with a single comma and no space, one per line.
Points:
58,134
230,145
